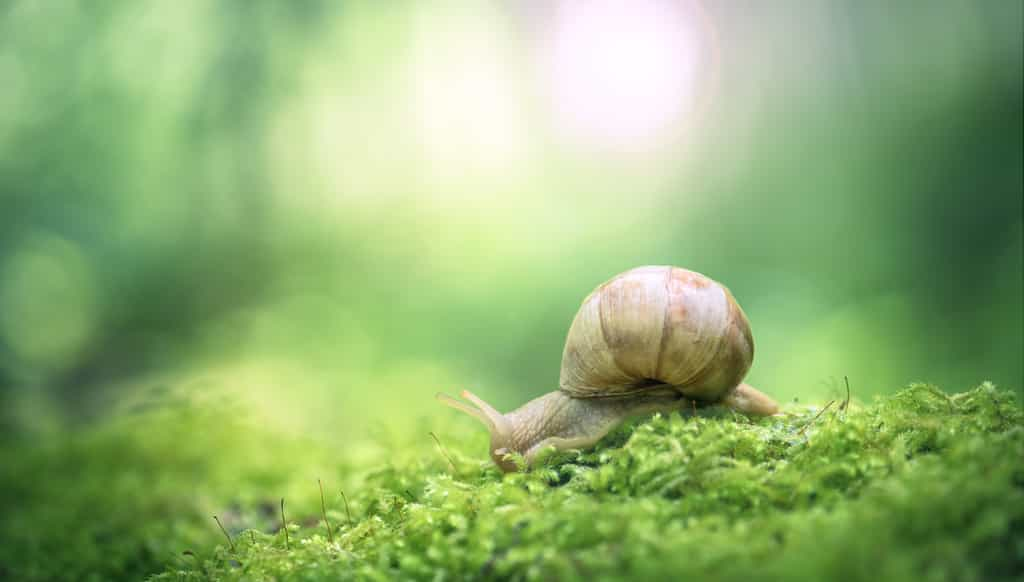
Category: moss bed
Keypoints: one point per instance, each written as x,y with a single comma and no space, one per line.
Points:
920,485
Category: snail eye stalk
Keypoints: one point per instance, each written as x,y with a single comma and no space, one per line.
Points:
462,406
485,413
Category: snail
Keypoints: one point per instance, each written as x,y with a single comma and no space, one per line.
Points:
651,339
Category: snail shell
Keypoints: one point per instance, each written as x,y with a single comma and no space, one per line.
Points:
654,326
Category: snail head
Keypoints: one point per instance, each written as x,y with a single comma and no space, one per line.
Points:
496,423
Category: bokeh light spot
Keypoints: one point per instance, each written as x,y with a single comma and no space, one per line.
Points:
465,96
623,73
47,302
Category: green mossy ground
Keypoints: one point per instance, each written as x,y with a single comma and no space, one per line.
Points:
917,486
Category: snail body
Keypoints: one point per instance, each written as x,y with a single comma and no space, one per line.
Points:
651,339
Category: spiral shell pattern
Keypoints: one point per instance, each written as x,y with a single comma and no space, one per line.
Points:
655,326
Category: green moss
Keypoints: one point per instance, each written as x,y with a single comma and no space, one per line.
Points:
917,486
123,500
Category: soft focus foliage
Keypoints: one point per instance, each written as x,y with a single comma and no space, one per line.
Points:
917,486
367,202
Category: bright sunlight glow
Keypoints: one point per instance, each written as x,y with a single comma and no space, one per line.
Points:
623,72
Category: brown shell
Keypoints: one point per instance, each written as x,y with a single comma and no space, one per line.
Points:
656,325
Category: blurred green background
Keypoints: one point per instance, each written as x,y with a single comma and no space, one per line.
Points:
328,211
